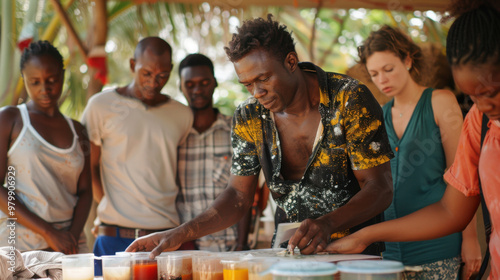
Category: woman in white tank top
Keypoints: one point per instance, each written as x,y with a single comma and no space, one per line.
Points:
44,163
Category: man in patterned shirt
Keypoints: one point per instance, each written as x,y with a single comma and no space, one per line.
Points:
318,137
205,157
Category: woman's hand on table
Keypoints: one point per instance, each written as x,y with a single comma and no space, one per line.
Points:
156,243
351,244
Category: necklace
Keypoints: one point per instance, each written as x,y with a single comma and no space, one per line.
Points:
410,105
398,112
401,112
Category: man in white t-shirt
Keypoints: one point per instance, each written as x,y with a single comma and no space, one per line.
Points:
134,133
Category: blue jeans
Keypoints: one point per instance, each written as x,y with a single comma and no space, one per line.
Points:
107,245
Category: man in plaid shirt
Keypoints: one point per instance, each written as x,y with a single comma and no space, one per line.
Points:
205,157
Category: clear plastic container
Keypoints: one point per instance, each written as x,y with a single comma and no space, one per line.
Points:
235,269
370,270
208,266
257,266
144,268
116,267
78,267
303,270
175,266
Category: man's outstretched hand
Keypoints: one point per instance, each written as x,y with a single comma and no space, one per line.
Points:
156,243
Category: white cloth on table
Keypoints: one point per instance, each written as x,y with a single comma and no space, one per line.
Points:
15,265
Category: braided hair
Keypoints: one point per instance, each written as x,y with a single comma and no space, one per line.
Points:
260,33
474,36
40,48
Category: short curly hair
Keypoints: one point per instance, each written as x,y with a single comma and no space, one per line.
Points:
40,48
258,33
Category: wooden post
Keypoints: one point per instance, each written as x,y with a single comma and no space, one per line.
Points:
97,36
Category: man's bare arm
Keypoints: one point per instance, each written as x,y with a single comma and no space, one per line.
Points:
95,168
225,211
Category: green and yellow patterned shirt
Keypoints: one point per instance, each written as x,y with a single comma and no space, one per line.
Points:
353,137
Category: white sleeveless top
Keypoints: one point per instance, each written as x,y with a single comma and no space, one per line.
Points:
46,180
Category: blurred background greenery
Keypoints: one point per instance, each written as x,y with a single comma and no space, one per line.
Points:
327,37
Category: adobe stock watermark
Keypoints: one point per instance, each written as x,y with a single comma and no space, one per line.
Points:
11,220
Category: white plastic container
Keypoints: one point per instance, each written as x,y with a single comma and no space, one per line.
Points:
116,267
370,270
303,270
78,267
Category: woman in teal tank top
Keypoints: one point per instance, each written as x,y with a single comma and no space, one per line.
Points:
423,126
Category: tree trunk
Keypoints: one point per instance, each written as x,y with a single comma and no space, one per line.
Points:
97,37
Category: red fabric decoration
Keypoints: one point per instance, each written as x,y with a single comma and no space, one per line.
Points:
26,36
24,43
97,59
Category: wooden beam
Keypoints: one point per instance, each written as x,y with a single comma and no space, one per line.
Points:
394,5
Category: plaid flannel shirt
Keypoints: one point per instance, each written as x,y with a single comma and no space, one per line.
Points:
204,167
